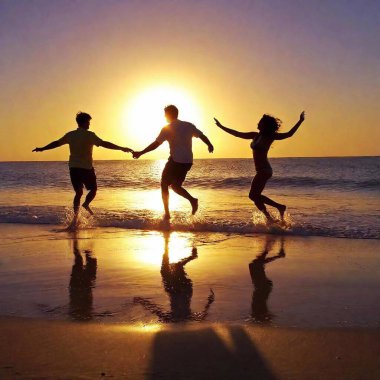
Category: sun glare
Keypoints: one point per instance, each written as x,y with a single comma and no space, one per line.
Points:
178,247
144,116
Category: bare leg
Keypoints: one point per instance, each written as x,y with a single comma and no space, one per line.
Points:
165,199
261,206
281,208
78,196
257,186
89,198
76,203
184,193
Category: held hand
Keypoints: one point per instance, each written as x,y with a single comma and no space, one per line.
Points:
127,150
210,148
302,116
217,122
136,155
37,150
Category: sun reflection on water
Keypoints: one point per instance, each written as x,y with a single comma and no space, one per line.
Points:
154,246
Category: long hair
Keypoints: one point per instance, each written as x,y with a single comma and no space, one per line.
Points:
268,125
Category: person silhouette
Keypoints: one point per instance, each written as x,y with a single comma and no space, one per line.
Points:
261,283
81,142
82,282
179,288
179,134
261,142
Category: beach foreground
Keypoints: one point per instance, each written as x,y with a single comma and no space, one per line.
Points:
113,275
32,349
138,304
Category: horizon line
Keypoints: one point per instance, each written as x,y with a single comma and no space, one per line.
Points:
219,158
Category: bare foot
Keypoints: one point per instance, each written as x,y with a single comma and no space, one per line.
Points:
281,210
270,219
73,226
194,205
87,207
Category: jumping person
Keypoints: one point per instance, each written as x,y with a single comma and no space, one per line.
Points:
261,142
179,134
82,173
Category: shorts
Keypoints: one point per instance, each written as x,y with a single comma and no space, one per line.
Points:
80,177
174,173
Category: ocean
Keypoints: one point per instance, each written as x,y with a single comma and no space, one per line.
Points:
331,197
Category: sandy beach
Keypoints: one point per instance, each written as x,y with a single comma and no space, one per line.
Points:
32,349
96,304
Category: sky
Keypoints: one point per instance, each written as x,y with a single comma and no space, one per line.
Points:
122,61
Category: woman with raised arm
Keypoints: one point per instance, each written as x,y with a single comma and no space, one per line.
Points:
261,142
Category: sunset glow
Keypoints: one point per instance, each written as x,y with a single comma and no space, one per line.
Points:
144,115
236,61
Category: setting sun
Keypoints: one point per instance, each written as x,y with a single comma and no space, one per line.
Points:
145,113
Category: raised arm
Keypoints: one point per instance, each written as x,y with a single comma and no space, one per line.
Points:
149,148
52,145
109,145
242,135
286,135
194,255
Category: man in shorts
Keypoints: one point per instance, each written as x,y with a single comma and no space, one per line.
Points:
82,173
179,135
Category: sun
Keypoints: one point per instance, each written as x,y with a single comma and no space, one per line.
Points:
144,115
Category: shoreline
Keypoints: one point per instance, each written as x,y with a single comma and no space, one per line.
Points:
230,234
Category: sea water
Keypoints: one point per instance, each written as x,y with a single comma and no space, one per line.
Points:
337,197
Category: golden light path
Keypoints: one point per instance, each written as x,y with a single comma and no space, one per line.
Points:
142,119
144,114
178,247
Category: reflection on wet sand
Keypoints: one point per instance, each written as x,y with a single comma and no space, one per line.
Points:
179,288
82,282
261,283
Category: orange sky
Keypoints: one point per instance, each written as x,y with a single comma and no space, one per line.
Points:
234,60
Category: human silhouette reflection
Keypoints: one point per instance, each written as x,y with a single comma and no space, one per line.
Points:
179,288
82,281
261,283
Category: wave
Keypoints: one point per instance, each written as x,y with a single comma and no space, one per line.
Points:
145,220
301,182
242,182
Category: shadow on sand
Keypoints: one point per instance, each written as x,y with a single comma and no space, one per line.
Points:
207,354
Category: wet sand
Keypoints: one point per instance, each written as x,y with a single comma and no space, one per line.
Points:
32,349
138,304
128,276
